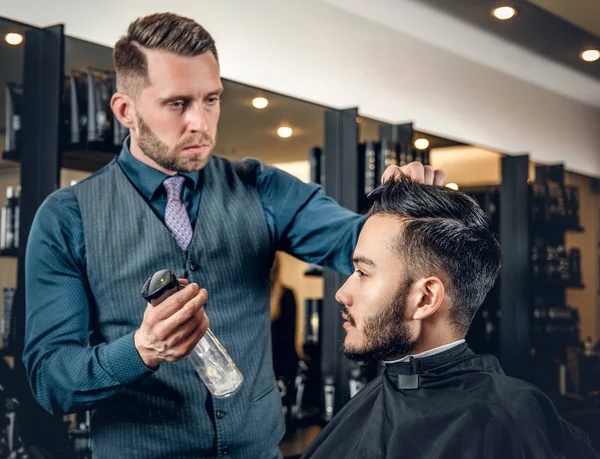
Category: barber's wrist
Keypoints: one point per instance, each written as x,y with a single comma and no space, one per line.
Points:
122,360
144,353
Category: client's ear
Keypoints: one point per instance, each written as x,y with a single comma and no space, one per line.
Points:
430,296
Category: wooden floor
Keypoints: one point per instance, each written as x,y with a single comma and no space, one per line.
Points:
296,443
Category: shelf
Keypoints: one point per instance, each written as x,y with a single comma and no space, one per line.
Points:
82,160
89,161
557,285
9,253
10,156
548,227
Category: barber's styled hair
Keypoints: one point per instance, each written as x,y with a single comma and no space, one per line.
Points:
445,234
162,31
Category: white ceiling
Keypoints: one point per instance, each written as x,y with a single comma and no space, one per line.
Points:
425,23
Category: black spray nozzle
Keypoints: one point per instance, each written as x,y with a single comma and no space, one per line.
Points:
158,283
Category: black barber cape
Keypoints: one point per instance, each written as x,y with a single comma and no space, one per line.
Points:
451,405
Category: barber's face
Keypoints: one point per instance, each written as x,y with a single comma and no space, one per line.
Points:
376,295
178,112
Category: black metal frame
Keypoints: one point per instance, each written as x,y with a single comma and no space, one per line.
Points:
341,183
40,176
515,231
399,137
40,158
397,133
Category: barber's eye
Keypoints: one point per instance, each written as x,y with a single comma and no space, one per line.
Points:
212,100
178,104
359,273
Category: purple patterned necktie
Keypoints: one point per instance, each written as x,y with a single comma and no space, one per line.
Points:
176,216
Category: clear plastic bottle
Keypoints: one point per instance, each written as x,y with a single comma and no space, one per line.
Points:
215,367
209,358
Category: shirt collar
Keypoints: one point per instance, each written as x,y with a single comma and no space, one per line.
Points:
429,353
147,179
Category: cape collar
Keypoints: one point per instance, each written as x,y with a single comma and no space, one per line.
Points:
408,374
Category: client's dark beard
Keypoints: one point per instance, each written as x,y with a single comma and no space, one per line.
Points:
386,335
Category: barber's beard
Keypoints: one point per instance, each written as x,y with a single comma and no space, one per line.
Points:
169,157
385,335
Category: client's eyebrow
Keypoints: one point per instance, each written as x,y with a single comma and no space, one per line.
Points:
364,261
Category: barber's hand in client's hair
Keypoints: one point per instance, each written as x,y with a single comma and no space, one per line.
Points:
415,171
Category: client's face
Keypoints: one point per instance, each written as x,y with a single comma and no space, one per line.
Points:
375,296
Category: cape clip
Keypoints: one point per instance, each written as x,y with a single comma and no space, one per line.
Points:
408,382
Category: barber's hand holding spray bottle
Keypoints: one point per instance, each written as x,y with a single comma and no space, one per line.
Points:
209,357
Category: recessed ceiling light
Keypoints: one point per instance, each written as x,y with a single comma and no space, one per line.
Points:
452,186
284,131
421,143
590,55
13,38
260,102
504,12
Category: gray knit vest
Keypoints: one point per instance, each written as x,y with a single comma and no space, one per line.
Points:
171,414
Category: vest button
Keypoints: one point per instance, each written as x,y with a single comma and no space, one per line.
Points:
220,414
225,451
193,267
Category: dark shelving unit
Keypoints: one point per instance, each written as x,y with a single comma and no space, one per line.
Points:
40,161
555,326
528,305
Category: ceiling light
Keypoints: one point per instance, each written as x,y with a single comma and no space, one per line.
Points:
284,131
14,38
504,12
260,102
590,55
421,143
452,186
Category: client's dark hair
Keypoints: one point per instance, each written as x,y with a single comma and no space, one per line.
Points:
446,234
